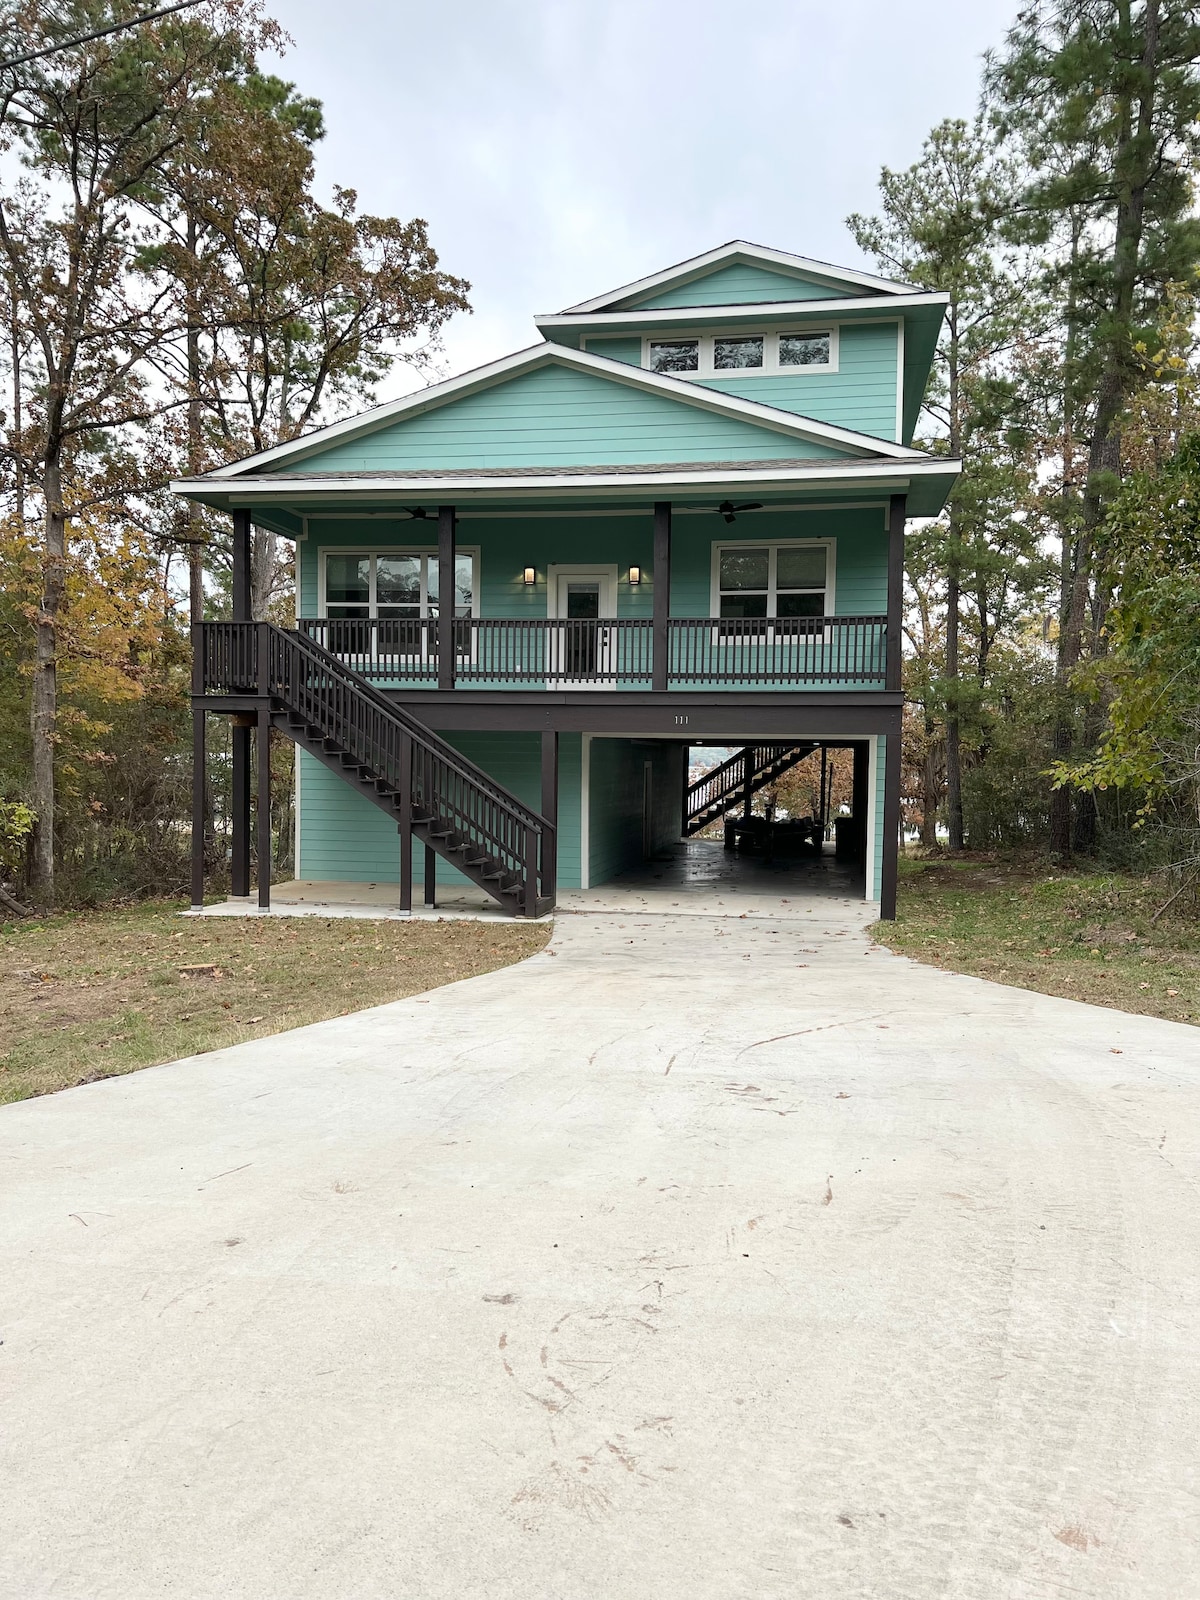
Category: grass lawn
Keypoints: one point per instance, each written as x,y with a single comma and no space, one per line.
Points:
1084,935
104,992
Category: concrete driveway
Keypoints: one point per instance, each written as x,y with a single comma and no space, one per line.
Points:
700,1257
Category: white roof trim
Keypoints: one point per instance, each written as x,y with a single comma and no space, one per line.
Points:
438,394
883,474
757,311
695,266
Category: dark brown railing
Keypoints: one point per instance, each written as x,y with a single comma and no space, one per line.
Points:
450,798
778,650
556,652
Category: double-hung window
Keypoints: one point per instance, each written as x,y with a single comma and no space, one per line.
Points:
787,582
379,603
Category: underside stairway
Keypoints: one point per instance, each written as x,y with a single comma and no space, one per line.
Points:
434,794
725,788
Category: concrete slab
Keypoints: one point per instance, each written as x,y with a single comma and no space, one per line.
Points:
699,1256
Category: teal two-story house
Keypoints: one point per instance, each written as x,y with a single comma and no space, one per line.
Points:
522,593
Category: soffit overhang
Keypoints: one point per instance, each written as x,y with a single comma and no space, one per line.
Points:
282,500
559,326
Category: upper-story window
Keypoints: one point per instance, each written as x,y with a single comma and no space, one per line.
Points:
754,354
401,584
788,579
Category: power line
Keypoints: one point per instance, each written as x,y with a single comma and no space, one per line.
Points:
100,33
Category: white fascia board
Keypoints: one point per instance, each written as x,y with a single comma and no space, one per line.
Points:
785,422
694,266
892,475
756,311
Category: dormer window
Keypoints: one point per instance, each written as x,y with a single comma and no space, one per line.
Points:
803,349
770,354
734,354
675,355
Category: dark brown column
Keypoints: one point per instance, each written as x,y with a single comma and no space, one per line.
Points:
264,809
550,812
239,868
405,787
662,594
239,864
445,597
430,875
197,806
895,590
891,824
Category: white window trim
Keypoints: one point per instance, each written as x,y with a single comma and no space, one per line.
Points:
326,550
830,546
770,337
373,603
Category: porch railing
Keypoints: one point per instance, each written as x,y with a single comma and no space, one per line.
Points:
541,652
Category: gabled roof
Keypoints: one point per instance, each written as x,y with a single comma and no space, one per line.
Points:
836,441
836,279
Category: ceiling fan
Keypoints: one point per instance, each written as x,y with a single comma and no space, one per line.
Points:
415,511
729,511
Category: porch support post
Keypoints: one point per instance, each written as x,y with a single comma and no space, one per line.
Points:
891,823
550,812
897,511
445,597
198,731
662,594
264,809
405,785
430,875
747,783
239,866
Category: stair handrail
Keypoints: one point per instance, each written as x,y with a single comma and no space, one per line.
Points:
421,734
735,763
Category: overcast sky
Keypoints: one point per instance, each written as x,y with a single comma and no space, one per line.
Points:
558,148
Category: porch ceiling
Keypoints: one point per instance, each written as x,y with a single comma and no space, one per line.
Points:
281,500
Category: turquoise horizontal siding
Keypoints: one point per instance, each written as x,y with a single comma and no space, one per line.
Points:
344,838
508,545
861,394
860,576
629,350
739,283
557,417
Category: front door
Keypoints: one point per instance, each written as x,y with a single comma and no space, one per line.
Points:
582,647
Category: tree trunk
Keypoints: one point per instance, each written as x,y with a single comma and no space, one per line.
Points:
954,805
930,788
1132,163
43,711
264,572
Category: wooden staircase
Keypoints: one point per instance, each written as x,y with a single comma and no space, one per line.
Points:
434,794
725,788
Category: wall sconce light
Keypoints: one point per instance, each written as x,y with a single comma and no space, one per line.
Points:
635,574
530,577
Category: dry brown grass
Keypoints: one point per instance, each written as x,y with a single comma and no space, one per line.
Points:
1083,935
101,993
